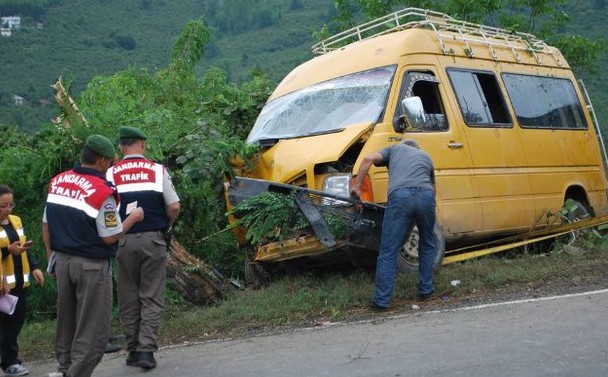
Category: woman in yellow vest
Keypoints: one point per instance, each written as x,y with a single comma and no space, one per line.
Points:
17,264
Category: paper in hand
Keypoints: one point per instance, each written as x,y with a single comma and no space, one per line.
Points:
130,207
8,303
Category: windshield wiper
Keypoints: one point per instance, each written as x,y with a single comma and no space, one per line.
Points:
272,141
267,142
317,133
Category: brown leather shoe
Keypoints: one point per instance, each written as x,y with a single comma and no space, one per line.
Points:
426,296
376,307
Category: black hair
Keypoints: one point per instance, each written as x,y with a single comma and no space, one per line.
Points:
88,156
4,189
412,143
127,141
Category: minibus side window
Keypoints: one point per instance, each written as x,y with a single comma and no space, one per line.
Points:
544,102
480,99
426,86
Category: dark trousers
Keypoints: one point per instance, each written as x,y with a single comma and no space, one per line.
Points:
84,311
142,265
406,206
10,327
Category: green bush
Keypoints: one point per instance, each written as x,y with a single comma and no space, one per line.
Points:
190,126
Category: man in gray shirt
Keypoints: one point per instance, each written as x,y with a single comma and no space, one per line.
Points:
411,200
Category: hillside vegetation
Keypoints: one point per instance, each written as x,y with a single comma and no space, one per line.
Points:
80,39
84,38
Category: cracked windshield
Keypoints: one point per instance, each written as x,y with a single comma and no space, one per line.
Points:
326,107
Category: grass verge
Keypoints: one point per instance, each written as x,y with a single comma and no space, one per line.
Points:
329,296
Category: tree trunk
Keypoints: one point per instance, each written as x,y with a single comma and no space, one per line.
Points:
193,279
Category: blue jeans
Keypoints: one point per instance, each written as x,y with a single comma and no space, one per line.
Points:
405,207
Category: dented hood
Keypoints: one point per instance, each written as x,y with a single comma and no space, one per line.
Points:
289,159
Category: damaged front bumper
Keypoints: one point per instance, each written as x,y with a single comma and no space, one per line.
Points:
361,222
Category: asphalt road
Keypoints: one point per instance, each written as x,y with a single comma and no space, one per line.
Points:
561,336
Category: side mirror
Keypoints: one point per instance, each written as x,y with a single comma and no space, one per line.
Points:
413,113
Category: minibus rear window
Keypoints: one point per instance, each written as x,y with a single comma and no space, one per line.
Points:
544,102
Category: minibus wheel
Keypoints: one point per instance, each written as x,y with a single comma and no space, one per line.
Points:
576,210
407,259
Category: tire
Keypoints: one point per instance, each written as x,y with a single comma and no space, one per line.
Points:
575,210
572,211
407,259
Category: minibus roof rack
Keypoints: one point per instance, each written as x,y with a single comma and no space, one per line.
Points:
446,28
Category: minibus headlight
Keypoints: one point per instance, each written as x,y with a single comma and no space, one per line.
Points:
337,184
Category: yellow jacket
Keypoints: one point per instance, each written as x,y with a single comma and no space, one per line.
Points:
8,267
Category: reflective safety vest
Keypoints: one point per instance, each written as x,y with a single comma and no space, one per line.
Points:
140,183
8,266
75,199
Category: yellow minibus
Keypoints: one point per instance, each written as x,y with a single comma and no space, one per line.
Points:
500,113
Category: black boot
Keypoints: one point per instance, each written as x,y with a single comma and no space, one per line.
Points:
112,348
146,360
133,359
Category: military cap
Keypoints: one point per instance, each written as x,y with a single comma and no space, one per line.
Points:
131,133
101,145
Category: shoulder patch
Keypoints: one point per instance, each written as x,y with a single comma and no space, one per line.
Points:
109,206
110,219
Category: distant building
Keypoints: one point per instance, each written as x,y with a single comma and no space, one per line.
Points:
39,25
18,100
5,32
11,22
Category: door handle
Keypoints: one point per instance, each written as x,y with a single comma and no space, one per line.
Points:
455,145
